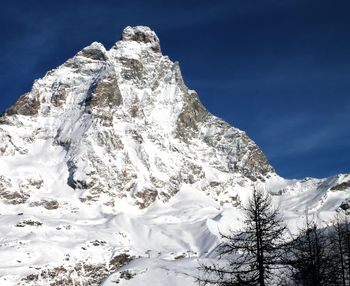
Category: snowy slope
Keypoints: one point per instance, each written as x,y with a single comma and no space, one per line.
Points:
110,164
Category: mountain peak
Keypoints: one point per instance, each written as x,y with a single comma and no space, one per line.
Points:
141,34
111,131
130,127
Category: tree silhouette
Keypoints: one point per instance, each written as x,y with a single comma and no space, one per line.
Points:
312,257
250,256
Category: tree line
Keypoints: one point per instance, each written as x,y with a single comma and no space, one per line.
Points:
263,254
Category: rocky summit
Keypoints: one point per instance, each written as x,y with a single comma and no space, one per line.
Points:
112,171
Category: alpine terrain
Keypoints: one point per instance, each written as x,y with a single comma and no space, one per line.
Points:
112,172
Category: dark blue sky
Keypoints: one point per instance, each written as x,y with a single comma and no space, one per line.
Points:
280,70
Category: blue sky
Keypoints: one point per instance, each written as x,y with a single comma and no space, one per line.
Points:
280,70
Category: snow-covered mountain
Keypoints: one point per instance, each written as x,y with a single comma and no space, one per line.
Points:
111,161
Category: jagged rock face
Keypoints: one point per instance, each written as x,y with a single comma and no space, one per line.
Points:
130,127
27,104
142,35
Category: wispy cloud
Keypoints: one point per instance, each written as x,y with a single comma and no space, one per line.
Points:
304,133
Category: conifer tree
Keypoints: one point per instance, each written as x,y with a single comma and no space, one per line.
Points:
250,256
